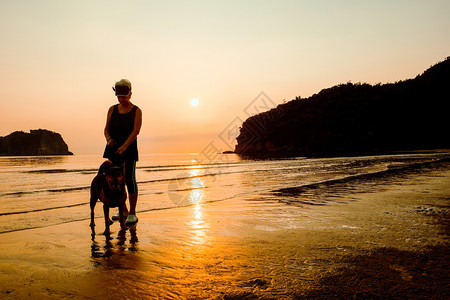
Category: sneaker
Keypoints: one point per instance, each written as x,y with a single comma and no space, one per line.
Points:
131,219
116,217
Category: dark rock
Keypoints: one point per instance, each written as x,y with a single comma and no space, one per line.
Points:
228,152
37,142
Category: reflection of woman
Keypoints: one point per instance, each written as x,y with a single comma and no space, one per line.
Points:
123,124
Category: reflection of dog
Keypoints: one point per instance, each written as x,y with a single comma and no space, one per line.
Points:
108,187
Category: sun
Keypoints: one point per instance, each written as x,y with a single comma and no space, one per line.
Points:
194,102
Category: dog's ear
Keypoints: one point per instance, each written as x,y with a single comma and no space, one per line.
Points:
106,167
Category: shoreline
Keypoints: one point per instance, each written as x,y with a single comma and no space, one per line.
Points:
385,243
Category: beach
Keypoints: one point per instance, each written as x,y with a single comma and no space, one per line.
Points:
386,238
266,149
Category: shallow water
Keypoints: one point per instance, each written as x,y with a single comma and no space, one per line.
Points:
42,191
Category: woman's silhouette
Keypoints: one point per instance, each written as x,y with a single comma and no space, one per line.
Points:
123,124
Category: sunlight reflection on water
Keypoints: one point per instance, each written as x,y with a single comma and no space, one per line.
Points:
187,188
196,194
198,226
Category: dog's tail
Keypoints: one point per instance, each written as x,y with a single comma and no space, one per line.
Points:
104,168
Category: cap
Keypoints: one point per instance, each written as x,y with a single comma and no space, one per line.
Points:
122,87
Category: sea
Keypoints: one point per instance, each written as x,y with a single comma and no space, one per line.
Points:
43,191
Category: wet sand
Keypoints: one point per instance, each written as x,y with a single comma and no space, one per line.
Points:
388,242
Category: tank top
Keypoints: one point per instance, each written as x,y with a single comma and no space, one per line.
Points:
120,128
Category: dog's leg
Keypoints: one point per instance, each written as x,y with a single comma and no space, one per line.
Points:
121,216
92,204
106,213
93,199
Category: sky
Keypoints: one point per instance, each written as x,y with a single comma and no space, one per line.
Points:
59,60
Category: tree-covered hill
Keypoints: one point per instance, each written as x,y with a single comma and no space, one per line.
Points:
350,119
37,142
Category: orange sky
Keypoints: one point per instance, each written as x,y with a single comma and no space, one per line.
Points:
59,60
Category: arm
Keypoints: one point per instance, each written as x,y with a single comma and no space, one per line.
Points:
134,133
109,140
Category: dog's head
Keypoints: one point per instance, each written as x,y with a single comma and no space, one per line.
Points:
115,178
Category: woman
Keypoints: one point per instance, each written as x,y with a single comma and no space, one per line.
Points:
123,124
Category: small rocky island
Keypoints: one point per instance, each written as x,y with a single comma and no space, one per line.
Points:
36,142
355,119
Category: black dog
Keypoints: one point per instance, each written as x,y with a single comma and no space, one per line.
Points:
108,187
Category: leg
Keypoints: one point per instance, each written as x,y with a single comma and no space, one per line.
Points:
133,201
125,212
125,209
93,199
130,180
121,214
106,213
92,204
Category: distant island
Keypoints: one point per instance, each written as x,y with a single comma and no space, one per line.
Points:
36,142
355,119
228,152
